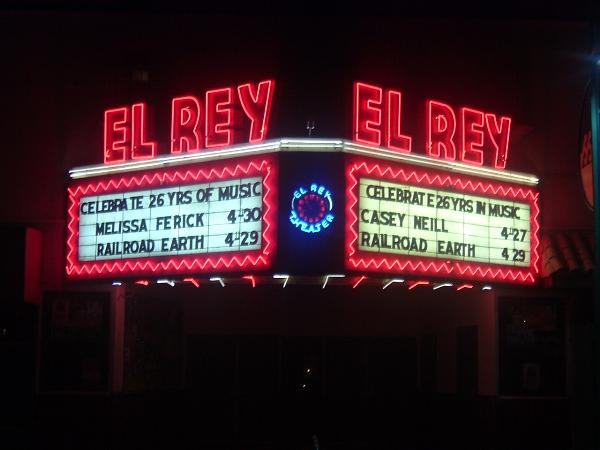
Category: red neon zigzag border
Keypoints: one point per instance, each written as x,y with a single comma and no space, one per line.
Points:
174,264
428,265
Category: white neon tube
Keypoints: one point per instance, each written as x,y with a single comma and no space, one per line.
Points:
284,277
333,275
303,145
393,280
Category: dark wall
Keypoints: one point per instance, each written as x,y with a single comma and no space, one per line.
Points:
64,69
304,253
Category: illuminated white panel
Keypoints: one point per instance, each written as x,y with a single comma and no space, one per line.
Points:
221,216
411,220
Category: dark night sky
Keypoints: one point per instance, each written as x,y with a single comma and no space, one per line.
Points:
63,67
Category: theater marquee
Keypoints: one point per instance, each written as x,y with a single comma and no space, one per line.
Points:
403,219
433,199
211,217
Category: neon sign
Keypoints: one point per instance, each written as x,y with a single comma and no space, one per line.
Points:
312,208
467,135
195,124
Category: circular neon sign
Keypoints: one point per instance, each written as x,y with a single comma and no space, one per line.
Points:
312,208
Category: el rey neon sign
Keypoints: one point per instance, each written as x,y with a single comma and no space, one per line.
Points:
464,135
195,124
312,208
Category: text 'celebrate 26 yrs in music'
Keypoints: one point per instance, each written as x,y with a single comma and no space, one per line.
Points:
411,220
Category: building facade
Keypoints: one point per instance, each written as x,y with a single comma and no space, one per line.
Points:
318,236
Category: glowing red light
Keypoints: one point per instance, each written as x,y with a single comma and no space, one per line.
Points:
367,113
377,120
394,137
193,281
464,286
219,111
441,126
499,135
360,280
140,147
185,124
117,135
414,284
472,136
256,103
193,125
251,279
142,282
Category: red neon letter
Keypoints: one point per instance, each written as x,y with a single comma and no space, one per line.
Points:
140,148
367,114
472,136
185,124
441,125
499,136
218,117
395,139
256,103
116,135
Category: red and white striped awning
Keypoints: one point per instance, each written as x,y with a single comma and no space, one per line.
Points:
567,250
